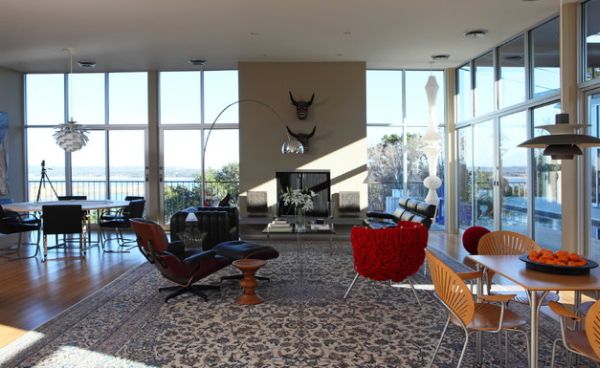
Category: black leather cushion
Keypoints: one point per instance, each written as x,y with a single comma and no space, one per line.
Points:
426,209
239,249
407,216
411,204
398,213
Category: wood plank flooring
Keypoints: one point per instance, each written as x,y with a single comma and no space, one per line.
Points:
33,292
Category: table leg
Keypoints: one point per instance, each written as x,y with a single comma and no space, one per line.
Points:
478,342
533,353
535,301
579,326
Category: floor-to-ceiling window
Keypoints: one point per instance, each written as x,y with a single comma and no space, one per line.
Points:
189,103
547,184
397,118
591,40
499,185
114,109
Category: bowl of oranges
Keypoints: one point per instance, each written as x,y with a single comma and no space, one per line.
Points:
559,262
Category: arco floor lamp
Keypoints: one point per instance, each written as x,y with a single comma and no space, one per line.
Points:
290,146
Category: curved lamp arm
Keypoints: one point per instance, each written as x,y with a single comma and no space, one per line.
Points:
210,129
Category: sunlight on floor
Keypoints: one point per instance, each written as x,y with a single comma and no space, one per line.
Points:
68,355
9,333
25,340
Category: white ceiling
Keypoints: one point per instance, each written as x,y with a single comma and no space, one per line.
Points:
123,35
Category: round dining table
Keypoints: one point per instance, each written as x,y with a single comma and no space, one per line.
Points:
86,205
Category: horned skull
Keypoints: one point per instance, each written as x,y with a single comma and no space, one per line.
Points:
302,106
303,138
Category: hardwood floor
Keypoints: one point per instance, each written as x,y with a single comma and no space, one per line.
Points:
33,292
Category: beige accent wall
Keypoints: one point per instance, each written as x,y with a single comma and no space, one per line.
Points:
11,92
338,111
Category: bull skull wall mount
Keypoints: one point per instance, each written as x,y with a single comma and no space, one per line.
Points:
302,106
302,138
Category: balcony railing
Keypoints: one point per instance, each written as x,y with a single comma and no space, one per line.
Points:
178,194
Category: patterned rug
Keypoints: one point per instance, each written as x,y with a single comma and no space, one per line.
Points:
304,322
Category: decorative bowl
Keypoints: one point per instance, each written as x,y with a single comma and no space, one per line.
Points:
560,270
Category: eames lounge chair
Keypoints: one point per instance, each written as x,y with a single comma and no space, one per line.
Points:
183,267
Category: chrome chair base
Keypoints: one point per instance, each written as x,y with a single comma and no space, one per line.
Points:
408,279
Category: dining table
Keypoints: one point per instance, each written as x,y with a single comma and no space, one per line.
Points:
86,205
537,285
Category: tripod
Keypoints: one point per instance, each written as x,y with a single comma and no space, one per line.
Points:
43,179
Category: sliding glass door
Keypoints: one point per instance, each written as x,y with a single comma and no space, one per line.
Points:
493,178
513,186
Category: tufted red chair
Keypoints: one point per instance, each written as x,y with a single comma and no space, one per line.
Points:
183,267
389,254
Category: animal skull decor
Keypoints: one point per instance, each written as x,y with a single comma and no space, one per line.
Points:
303,138
302,106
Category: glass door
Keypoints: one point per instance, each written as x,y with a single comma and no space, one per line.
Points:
593,105
513,171
483,171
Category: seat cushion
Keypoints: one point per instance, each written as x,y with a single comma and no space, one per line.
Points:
487,315
239,249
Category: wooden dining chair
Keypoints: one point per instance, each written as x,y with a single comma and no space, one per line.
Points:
464,312
509,243
585,343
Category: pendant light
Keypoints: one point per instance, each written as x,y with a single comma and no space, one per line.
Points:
563,143
70,136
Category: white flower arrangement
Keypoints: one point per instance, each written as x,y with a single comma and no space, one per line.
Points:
299,198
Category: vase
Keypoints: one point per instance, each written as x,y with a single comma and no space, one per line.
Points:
300,219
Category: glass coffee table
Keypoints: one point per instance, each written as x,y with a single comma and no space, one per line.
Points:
327,229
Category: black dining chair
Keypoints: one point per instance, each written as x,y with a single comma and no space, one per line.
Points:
64,219
135,209
13,223
111,214
77,198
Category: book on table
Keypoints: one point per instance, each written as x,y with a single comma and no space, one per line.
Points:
282,228
320,227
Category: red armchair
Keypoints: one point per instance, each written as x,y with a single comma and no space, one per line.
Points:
183,267
389,254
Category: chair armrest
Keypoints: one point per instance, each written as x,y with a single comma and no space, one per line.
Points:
563,311
503,298
382,215
470,275
199,257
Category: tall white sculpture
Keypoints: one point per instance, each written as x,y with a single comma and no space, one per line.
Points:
432,143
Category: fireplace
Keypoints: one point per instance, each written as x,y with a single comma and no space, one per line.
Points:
316,180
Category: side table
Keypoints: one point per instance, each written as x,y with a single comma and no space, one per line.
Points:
248,282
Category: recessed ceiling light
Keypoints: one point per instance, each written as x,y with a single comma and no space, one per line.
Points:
86,64
198,62
440,57
476,33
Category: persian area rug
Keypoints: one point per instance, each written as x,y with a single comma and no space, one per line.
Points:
304,322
